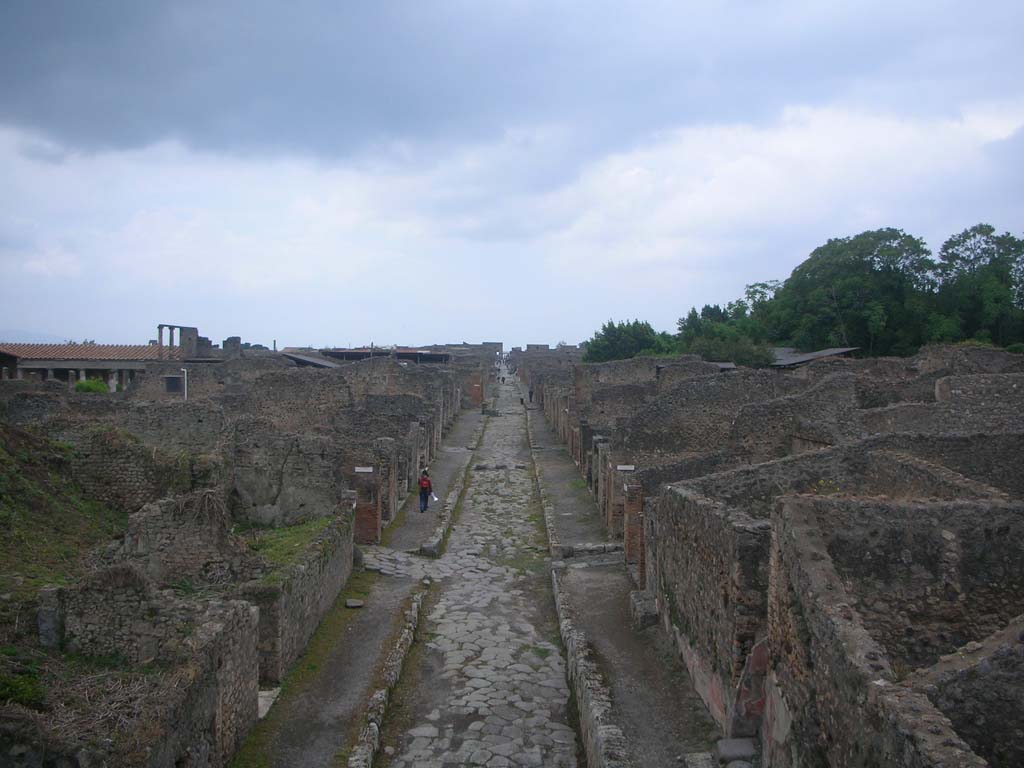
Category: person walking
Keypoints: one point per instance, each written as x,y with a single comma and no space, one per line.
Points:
426,489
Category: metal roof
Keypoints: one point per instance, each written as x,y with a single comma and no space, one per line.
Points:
786,356
310,359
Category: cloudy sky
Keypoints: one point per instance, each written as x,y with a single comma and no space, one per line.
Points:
324,172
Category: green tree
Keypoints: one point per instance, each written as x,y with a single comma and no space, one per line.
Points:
623,340
867,291
980,284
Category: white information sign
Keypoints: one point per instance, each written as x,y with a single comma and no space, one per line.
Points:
364,469
626,467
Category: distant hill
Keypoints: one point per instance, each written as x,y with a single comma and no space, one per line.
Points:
30,337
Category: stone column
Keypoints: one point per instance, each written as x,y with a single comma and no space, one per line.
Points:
20,374
49,374
71,379
160,342
112,380
81,375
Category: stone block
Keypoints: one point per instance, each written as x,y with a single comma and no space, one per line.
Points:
731,750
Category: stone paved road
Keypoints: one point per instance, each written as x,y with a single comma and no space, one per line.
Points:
489,688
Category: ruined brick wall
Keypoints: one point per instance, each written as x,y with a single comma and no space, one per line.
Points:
846,469
186,539
24,403
980,689
209,692
280,478
708,568
670,374
206,719
653,472
295,399
926,578
987,458
115,612
706,547
293,602
205,380
830,699
965,359
112,466
822,415
696,415
995,391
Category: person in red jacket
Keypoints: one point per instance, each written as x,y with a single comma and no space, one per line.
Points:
426,489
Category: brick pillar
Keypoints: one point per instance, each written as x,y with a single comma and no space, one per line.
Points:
368,522
384,453
633,530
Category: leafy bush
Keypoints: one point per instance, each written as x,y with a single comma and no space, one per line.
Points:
92,385
1017,349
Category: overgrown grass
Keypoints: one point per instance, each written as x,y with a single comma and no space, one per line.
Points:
255,751
281,546
46,526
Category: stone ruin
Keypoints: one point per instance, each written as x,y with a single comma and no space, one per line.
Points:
259,446
836,552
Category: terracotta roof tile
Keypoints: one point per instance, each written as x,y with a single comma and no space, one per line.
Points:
88,351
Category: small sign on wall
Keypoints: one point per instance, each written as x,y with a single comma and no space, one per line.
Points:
364,470
626,467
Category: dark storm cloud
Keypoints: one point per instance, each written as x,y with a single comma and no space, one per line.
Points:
331,78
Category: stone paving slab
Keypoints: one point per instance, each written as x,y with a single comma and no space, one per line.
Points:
492,690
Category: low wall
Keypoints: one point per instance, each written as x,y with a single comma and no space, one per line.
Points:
207,718
210,687
186,539
293,602
708,568
980,688
830,695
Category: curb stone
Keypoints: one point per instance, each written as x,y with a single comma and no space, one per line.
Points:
603,740
554,545
368,743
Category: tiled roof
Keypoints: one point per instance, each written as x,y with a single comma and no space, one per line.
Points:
88,351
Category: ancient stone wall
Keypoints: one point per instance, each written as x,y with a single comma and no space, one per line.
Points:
186,540
293,601
696,416
112,466
980,688
708,568
206,718
262,486
926,578
831,699
115,612
823,415
987,458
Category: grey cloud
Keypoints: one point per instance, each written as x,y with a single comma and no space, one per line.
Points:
332,79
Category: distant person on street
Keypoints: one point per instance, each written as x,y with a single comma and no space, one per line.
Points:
426,489
531,394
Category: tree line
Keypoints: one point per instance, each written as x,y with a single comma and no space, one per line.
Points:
882,291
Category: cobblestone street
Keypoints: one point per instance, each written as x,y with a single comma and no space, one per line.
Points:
489,687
